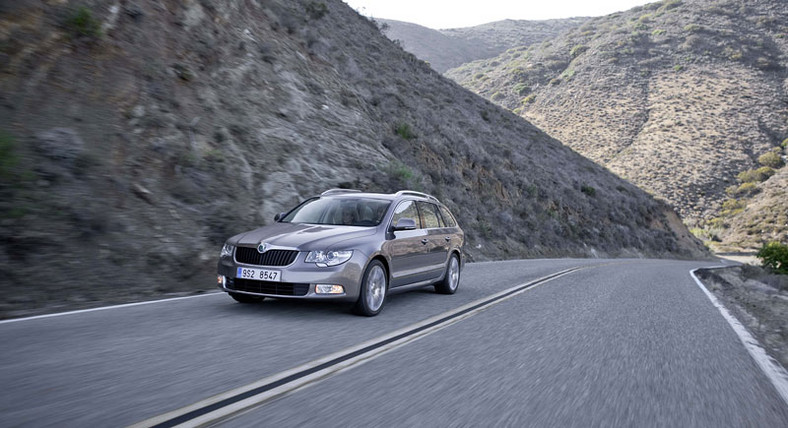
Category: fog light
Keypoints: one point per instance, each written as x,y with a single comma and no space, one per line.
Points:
329,289
222,281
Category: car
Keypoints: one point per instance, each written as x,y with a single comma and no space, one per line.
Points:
347,245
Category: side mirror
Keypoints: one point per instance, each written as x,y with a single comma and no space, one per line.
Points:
279,216
405,223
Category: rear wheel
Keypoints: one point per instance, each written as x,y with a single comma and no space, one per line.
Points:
451,280
246,298
374,285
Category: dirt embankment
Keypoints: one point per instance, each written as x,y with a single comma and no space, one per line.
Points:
759,301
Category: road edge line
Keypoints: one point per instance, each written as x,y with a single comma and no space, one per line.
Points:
773,370
104,308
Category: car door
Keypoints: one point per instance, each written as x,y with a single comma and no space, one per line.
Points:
437,246
406,248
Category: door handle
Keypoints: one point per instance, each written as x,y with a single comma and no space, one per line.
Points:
424,241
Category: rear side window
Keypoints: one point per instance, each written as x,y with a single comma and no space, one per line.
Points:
429,215
447,217
406,209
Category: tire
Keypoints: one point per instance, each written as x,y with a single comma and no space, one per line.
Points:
246,298
374,285
451,280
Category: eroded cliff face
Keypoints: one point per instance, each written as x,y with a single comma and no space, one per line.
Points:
137,136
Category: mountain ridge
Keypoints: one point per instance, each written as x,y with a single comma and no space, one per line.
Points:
448,48
677,96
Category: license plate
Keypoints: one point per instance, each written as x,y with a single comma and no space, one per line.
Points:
259,274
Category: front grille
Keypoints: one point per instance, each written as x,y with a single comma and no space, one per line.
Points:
251,256
266,287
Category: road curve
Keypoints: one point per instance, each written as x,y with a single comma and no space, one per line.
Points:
619,342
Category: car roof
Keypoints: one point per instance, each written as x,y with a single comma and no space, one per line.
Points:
390,196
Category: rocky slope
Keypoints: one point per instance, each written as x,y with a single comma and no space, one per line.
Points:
747,221
445,49
137,136
678,96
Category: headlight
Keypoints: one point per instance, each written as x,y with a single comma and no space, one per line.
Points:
328,258
227,250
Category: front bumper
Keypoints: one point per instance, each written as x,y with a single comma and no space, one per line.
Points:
298,279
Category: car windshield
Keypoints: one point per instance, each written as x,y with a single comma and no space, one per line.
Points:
340,211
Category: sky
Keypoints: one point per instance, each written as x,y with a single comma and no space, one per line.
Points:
440,14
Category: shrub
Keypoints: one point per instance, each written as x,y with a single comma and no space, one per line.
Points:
678,68
774,256
588,190
81,22
771,159
745,189
732,207
404,131
522,89
755,175
529,99
785,143
498,96
317,10
692,28
670,4
657,32
577,50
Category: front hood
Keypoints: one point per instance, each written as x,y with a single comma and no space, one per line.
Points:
303,237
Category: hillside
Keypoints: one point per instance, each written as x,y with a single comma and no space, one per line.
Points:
137,137
445,49
747,221
678,96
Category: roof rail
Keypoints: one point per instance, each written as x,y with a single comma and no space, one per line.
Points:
339,191
414,193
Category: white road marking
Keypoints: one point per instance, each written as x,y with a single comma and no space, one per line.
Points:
104,308
771,368
234,402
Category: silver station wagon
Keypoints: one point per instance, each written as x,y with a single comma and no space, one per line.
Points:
349,246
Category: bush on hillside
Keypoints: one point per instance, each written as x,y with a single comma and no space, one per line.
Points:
578,50
317,10
755,175
746,189
771,159
774,256
404,130
522,89
81,23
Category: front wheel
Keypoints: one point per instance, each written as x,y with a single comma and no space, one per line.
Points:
374,285
451,280
246,298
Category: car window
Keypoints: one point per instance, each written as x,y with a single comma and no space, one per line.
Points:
447,217
406,209
429,217
340,211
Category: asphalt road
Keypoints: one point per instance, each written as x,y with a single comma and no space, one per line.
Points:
617,343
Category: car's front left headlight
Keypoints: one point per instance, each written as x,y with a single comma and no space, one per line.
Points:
328,258
227,250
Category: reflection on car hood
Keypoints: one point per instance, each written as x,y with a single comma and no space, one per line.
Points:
304,237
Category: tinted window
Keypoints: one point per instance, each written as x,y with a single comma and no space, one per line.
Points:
405,209
340,211
447,217
429,215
